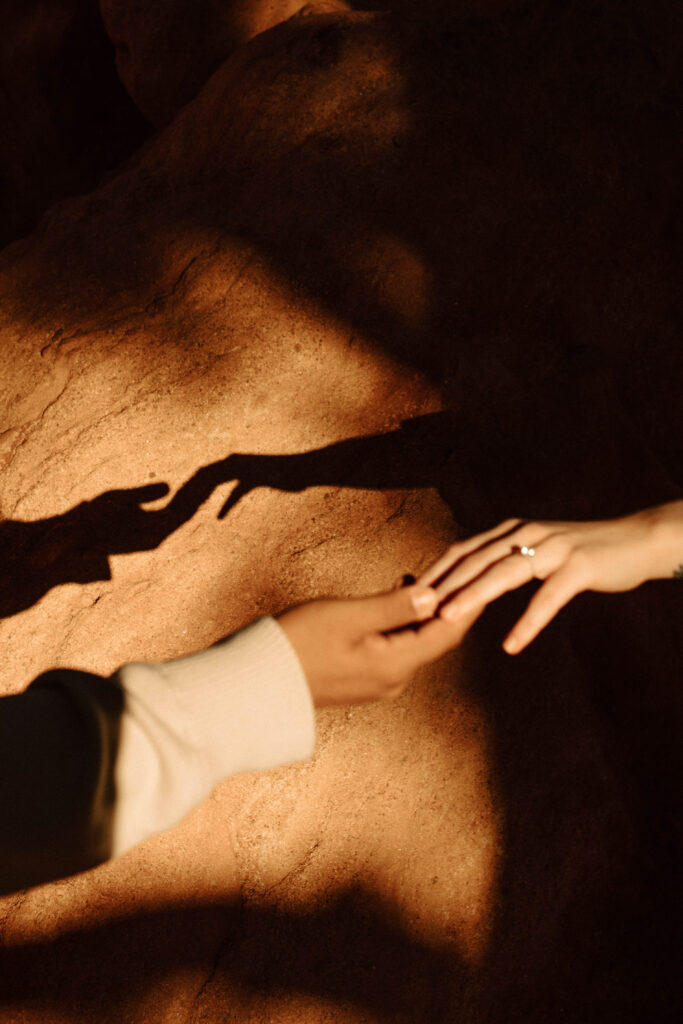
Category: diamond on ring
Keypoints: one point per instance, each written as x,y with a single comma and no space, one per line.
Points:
528,553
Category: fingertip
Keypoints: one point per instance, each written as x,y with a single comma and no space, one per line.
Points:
515,643
150,492
424,601
425,579
511,645
451,612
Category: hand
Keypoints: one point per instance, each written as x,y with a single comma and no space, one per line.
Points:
356,650
611,555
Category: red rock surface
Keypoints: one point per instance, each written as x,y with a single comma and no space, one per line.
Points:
453,236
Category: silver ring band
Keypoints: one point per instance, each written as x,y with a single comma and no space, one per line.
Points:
527,553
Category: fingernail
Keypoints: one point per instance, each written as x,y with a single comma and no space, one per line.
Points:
424,601
451,612
511,645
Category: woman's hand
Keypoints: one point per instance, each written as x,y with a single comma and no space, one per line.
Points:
366,649
611,555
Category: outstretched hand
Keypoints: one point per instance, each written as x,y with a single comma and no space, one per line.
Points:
610,556
364,649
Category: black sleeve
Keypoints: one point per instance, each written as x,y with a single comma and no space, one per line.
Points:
58,743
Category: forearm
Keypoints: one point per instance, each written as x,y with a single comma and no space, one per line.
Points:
665,540
93,766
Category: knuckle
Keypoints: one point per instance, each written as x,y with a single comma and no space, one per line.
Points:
511,523
372,647
397,690
397,685
395,678
395,675
377,664
558,547
579,562
523,534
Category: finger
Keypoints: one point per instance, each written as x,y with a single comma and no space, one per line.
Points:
411,650
555,593
461,549
148,492
238,491
482,559
384,612
508,574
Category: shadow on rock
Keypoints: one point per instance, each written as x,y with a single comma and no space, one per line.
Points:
352,949
75,547
564,449
583,739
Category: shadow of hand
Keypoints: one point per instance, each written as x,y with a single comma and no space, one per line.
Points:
412,456
75,547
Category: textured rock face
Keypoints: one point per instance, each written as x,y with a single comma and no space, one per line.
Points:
403,238
166,51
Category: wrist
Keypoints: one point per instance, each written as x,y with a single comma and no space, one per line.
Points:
665,545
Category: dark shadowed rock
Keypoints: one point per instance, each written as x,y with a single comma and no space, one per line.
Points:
65,118
166,51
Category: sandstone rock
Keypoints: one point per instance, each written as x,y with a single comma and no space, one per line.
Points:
353,308
166,51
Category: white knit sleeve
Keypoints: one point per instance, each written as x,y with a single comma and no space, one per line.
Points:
242,705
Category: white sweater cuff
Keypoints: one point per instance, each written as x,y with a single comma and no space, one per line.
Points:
245,701
242,705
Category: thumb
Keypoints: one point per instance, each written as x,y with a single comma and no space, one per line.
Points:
148,492
384,612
